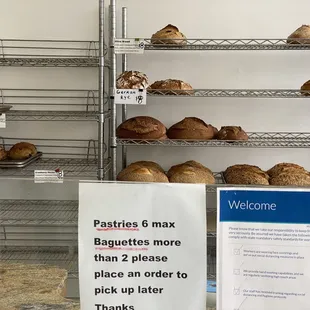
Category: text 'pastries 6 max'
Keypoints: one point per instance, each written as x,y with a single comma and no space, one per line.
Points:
190,128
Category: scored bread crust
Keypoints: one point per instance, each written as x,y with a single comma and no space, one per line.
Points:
143,172
22,150
171,87
188,174
141,127
191,128
190,163
245,167
246,177
231,133
300,35
168,35
132,80
305,88
295,179
285,167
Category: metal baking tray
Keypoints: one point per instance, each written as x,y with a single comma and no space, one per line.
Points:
4,108
20,163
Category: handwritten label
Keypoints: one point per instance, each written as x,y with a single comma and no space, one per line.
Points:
130,96
2,121
142,248
129,46
48,176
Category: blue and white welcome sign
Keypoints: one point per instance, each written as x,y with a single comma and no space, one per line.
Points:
263,249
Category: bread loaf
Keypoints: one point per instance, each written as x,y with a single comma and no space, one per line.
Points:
141,127
132,80
285,168
229,133
305,88
3,153
300,36
168,35
143,171
245,167
291,178
171,87
190,172
191,128
22,150
245,177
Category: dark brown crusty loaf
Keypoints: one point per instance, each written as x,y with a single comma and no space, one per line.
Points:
285,168
143,171
245,167
22,150
132,80
190,172
168,35
245,177
141,127
300,35
191,128
305,88
3,153
171,87
231,133
291,178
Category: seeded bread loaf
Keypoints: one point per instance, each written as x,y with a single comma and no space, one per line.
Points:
300,35
231,133
292,178
285,168
169,35
190,172
171,87
245,167
132,80
245,177
143,171
3,153
22,150
141,127
191,128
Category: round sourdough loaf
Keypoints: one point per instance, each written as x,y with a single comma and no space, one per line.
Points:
141,127
231,133
143,171
132,80
291,178
171,87
246,177
22,150
245,167
300,35
191,128
285,168
3,153
168,35
190,172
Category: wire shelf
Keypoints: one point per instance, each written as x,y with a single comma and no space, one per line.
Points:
227,44
57,256
258,140
38,212
237,93
52,116
48,53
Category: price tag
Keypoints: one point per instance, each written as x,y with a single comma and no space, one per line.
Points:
2,121
130,96
48,176
129,46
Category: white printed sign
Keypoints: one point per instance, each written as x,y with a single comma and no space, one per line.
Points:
48,176
130,96
2,120
129,46
263,249
142,246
